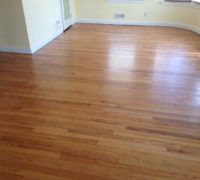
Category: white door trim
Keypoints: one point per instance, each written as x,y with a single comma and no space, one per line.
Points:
69,22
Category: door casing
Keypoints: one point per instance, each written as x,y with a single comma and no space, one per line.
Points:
69,22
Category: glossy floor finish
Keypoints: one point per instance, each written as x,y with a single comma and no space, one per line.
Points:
103,102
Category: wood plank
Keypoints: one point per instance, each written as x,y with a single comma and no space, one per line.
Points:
103,102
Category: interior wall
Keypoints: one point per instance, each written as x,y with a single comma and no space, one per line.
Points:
66,9
27,25
73,4
195,18
100,10
13,34
43,21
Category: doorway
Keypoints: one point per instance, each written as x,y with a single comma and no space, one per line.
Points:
66,13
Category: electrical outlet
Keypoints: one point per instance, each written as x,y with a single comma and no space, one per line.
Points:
145,14
58,25
58,22
119,16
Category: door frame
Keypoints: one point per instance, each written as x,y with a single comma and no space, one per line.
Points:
68,23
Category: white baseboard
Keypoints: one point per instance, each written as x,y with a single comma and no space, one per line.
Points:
43,43
16,50
134,23
33,49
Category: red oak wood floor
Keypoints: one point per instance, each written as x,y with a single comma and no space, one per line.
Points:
103,102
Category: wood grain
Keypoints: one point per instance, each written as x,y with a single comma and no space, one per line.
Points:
103,102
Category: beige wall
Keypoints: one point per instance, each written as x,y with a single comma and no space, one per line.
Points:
13,34
26,25
101,10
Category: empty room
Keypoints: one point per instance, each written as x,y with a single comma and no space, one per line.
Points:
100,89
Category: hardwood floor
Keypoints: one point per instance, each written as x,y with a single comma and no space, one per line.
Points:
103,102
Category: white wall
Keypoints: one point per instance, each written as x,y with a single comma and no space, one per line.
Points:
28,25
43,20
